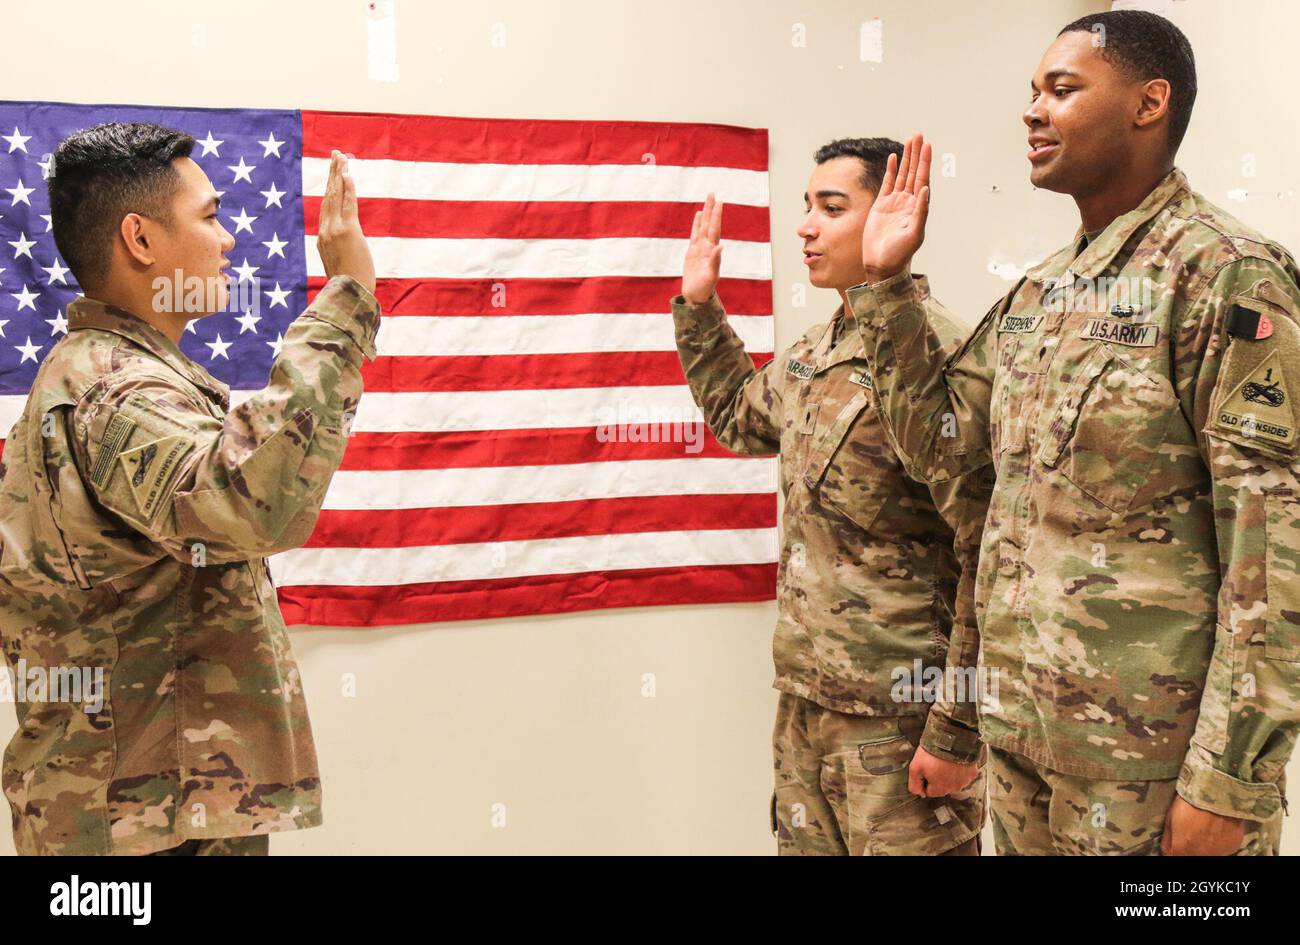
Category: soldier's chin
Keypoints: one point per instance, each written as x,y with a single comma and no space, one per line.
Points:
1048,177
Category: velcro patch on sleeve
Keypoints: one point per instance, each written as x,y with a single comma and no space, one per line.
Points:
150,469
115,437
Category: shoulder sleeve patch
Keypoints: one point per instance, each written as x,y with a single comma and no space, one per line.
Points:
150,468
115,437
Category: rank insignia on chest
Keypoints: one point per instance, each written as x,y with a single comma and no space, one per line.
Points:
1132,334
799,369
861,378
1020,323
1259,405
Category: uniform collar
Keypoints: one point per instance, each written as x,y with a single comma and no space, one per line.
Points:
1097,255
86,312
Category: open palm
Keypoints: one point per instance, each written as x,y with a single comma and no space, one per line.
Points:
704,254
895,227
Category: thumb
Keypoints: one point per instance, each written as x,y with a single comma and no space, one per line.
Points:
915,778
1167,838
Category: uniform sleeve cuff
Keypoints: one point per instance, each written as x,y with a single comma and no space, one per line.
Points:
350,307
1203,785
946,739
697,319
884,300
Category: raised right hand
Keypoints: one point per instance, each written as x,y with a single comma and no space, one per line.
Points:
340,242
895,227
704,254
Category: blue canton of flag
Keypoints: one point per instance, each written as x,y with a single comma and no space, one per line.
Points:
253,158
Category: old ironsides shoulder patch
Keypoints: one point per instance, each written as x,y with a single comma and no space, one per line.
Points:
1260,405
150,468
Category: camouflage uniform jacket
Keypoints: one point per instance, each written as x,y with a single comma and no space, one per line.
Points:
135,517
1138,581
869,588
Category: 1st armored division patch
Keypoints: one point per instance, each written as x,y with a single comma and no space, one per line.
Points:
150,467
1260,405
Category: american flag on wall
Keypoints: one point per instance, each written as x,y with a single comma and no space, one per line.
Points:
526,440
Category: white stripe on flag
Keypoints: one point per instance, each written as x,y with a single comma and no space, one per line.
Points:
399,257
437,411
369,490
503,559
434,336
427,180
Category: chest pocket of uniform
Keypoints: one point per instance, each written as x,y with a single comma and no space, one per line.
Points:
843,470
1109,426
1003,423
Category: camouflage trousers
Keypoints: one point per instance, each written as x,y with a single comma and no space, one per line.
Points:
841,788
221,846
1037,811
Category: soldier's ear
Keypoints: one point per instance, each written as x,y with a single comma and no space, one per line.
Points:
132,230
1154,102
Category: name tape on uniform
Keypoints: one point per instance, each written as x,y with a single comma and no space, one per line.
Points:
799,369
1020,323
861,378
1120,333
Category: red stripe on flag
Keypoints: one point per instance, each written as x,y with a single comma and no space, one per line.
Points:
524,141
408,528
527,371
574,296
469,449
542,219
355,606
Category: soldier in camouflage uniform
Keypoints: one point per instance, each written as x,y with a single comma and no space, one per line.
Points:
876,571
1138,578
137,510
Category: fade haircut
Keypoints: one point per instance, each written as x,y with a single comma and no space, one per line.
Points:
872,152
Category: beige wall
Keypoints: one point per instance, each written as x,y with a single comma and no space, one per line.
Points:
545,715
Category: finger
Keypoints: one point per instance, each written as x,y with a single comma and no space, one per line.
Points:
904,167
915,783
923,170
695,225
349,200
891,171
915,144
922,208
715,223
329,201
1167,838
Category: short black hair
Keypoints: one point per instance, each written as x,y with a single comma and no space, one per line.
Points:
99,175
872,152
1147,46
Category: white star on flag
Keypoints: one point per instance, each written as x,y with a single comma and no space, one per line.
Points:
271,144
276,345
17,141
243,221
58,324
275,246
19,194
26,298
218,348
29,350
210,145
22,246
248,322
273,196
278,296
242,171
57,271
